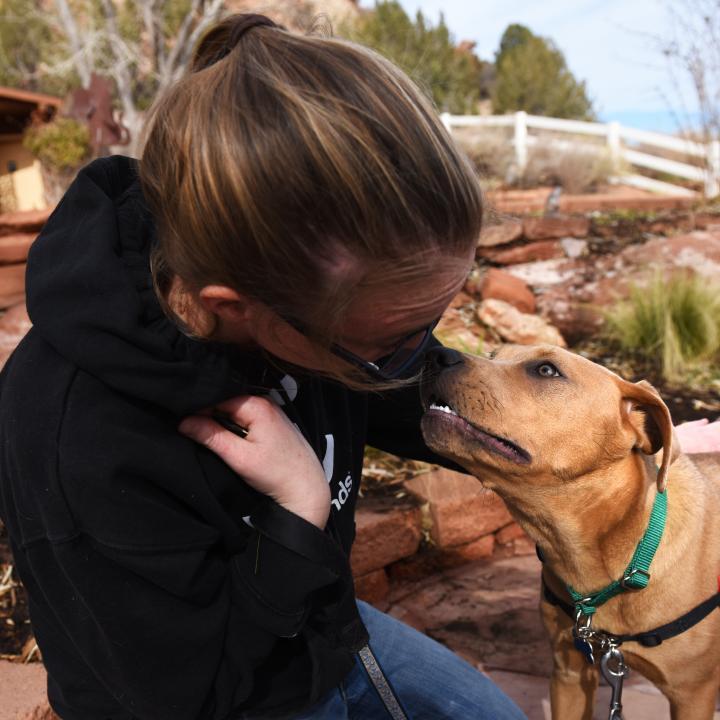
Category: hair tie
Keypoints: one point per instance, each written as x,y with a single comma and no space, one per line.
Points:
246,22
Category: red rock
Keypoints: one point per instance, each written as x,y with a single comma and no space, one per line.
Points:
509,533
409,618
12,284
542,228
475,550
501,234
373,587
485,610
574,319
384,537
433,560
575,305
611,201
14,324
502,286
461,510
530,252
23,691
14,248
517,327
523,546
23,221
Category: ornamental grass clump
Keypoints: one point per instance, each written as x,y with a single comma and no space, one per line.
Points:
673,325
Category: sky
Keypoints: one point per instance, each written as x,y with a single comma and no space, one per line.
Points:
607,43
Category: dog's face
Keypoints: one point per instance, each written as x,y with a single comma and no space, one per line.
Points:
537,413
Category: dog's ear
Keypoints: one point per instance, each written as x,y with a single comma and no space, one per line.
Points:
652,425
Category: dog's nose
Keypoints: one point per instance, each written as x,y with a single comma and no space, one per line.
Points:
439,358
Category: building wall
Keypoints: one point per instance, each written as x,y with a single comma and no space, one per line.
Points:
25,183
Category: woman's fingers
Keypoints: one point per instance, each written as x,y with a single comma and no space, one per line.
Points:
246,410
222,442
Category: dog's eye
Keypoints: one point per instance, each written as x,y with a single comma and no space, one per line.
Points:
547,370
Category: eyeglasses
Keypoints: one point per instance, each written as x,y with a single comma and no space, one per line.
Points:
391,366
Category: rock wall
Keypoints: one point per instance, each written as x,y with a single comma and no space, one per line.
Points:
445,520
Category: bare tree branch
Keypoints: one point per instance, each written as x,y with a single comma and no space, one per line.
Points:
123,56
211,13
149,10
79,53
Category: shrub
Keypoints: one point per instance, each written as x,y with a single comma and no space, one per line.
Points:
491,151
575,169
674,325
61,145
532,75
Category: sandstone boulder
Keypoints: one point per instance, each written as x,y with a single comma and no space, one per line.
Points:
502,234
528,252
14,324
14,248
517,327
461,510
383,536
544,228
12,284
501,285
23,221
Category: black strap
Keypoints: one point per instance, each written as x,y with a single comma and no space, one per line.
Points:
650,638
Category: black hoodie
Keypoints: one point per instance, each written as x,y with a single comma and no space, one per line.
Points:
160,585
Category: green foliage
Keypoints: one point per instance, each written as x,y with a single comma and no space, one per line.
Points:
673,325
532,75
427,53
27,43
61,145
514,36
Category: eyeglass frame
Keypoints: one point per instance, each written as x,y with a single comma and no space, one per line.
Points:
374,369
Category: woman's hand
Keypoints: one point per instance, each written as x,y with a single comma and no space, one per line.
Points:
274,458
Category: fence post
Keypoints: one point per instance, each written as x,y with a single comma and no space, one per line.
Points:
712,170
520,141
614,145
445,118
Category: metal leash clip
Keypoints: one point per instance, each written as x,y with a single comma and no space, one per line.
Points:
584,635
614,670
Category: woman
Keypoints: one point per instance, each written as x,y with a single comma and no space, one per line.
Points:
297,223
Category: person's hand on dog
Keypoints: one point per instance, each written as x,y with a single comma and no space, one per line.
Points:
274,457
699,436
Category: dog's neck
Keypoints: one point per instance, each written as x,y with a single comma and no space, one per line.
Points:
588,529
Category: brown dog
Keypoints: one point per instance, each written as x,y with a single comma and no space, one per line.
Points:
570,447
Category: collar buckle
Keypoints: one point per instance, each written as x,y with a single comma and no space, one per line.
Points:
638,584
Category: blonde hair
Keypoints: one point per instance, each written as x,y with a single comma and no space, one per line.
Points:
300,170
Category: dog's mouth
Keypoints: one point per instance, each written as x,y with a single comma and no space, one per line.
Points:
441,410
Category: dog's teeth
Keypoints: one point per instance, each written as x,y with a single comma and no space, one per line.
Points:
443,408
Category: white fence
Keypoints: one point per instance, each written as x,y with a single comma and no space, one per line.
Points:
619,141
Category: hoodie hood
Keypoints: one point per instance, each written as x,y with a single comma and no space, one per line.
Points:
90,295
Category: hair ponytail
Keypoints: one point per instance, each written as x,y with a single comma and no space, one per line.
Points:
301,172
224,37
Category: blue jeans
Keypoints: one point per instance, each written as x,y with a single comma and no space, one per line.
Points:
430,681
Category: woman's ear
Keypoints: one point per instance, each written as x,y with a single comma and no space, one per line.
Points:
646,413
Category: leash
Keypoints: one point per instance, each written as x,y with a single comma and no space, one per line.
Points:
612,662
381,684
649,638
635,577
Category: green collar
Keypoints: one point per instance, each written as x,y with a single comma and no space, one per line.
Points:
636,576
